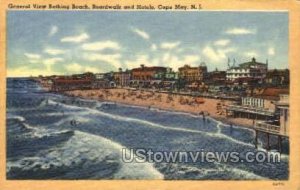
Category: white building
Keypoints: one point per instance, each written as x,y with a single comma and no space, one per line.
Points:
253,102
283,106
250,69
99,76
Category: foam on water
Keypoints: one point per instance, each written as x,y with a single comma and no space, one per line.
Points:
161,110
155,125
17,117
90,149
238,173
283,157
218,127
53,148
218,134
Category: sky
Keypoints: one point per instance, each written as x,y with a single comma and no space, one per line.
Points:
70,42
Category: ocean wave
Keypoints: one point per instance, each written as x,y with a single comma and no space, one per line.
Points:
82,156
151,124
52,148
25,140
215,170
16,125
155,125
15,117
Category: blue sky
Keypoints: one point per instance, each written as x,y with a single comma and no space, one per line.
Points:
58,42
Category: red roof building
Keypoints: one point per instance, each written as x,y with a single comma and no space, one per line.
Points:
146,73
71,84
272,93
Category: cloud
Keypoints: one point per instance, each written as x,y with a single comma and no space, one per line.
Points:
191,59
101,57
141,59
76,39
74,68
179,50
53,30
77,68
34,60
141,33
251,54
213,55
98,46
216,55
271,51
240,31
175,60
166,57
169,45
153,47
92,69
112,59
51,61
222,42
171,60
53,51
32,55
26,72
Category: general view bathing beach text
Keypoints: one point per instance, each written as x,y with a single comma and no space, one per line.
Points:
147,95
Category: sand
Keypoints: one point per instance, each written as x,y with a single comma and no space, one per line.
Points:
214,108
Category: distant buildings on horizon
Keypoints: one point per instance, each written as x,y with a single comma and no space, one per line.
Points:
239,79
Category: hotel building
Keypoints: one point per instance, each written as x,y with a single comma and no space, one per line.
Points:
122,78
193,74
252,69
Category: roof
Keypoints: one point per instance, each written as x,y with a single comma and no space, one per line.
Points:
248,64
149,69
278,72
68,81
217,72
252,62
273,93
244,65
188,67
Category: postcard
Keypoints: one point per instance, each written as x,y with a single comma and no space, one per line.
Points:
152,94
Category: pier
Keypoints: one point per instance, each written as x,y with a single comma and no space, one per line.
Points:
249,112
265,119
269,129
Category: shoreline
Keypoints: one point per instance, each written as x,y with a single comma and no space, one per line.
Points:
204,106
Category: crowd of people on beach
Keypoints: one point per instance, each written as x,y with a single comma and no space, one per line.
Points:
204,107
155,99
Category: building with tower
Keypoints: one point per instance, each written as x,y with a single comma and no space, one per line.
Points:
252,70
193,74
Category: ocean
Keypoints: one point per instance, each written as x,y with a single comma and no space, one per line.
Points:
51,136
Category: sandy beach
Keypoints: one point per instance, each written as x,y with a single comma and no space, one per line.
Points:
214,108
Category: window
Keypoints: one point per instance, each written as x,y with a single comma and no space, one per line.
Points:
285,115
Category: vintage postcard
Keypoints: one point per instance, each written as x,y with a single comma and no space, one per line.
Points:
152,95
